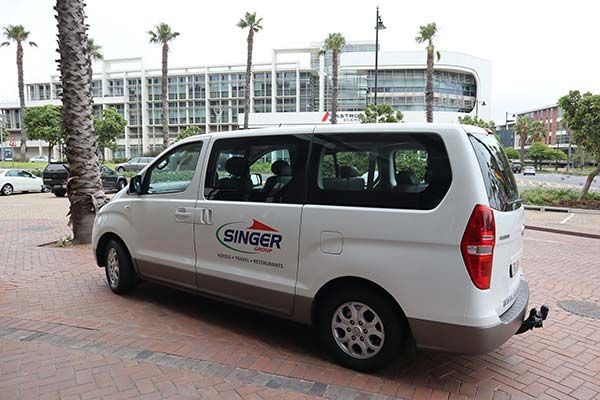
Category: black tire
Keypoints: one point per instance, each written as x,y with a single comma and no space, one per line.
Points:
7,190
125,281
121,170
121,184
393,327
59,192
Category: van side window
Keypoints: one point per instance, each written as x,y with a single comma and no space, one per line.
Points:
408,171
264,169
174,171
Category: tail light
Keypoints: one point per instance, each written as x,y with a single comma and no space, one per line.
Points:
477,246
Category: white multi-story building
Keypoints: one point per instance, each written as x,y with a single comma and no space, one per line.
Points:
283,92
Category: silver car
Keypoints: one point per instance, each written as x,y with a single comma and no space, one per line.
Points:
134,164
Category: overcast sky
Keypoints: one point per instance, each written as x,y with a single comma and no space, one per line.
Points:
538,49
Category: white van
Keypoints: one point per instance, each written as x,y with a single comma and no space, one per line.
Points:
379,235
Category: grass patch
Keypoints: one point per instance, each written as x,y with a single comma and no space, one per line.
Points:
560,198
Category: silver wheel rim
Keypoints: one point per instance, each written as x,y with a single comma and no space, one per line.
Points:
358,330
112,265
7,190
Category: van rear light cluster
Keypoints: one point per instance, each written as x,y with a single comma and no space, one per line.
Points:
477,246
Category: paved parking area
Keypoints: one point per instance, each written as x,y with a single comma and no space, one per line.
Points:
63,334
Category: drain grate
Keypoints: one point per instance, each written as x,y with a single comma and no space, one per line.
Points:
581,308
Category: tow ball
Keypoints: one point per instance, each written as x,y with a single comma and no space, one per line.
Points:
535,320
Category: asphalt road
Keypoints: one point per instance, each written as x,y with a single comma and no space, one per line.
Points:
555,181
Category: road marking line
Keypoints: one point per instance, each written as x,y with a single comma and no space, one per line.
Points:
564,221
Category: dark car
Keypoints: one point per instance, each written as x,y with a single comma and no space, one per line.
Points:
55,178
135,164
517,167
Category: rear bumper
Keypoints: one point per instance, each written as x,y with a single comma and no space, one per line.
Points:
472,339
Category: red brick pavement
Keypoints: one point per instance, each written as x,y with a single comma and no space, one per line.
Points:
63,334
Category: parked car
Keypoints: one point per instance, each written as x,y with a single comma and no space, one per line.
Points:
517,167
43,159
135,164
56,173
529,170
425,248
18,180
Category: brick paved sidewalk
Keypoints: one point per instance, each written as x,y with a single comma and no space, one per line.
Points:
63,334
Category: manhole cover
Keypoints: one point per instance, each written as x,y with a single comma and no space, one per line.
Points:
581,308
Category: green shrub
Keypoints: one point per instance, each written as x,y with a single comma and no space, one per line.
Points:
560,198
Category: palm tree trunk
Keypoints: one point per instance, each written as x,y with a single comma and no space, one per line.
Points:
589,180
84,186
334,93
429,85
165,99
248,74
23,144
50,148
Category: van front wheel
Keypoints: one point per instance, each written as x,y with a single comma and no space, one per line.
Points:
360,328
119,270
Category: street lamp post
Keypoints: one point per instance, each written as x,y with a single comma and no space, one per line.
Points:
477,101
378,26
1,138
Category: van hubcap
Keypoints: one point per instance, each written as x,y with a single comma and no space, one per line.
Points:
358,330
112,265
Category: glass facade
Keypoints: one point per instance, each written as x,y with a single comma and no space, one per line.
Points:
213,97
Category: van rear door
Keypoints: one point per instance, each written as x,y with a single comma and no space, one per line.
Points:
503,196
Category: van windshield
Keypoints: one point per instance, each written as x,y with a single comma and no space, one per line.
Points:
497,174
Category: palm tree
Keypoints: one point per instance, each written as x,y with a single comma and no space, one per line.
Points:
84,186
426,34
334,43
526,127
254,25
94,52
163,34
18,35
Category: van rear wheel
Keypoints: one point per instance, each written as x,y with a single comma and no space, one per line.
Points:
360,328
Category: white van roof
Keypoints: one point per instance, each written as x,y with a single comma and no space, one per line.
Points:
446,128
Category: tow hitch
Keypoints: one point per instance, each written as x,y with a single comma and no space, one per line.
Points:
535,320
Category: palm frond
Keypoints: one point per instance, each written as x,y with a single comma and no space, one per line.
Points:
438,55
4,44
33,44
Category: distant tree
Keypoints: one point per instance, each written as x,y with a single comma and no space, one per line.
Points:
511,153
426,35
94,52
45,123
335,42
108,128
163,34
476,121
526,128
376,113
253,25
17,34
538,152
582,114
189,131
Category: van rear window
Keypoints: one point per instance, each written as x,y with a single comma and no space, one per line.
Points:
497,174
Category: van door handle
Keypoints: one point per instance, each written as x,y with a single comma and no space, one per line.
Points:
207,216
182,214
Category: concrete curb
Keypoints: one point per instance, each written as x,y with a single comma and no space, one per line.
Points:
563,232
562,209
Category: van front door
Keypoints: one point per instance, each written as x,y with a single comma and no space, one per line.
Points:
248,228
163,217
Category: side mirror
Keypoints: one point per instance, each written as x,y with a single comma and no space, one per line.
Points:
256,179
135,185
